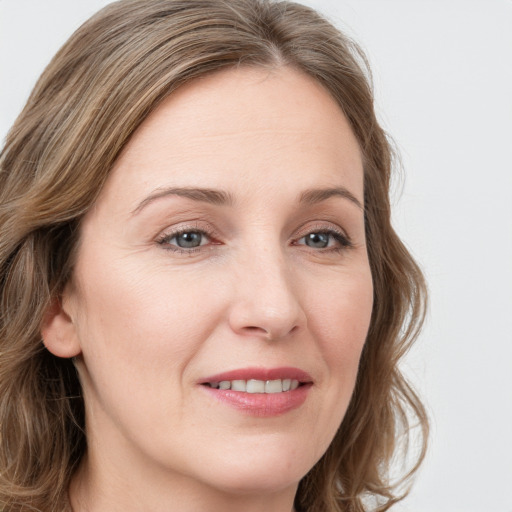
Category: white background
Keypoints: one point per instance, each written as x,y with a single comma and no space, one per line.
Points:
443,79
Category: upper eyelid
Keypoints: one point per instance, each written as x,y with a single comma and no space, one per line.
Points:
207,229
174,234
339,234
168,234
340,237
322,226
183,227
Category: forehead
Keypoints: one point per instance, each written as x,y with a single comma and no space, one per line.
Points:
242,125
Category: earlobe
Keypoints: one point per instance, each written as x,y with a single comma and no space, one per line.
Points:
59,332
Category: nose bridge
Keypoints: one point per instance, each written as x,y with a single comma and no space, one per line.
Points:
266,302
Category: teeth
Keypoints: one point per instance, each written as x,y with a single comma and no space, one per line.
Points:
238,385
257,386
274,386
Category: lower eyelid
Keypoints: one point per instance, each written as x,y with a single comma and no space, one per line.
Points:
166,238
343,239
339,236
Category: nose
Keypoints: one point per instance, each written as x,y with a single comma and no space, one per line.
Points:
266,302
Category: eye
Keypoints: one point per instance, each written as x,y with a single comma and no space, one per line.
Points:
188,239
325,239
317,240
185,239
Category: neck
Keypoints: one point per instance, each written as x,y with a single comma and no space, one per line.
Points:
109,489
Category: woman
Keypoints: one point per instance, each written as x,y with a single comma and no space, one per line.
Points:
203,300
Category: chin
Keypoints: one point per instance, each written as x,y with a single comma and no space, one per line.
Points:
265,473
262,482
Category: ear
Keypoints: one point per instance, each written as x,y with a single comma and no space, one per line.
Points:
59,332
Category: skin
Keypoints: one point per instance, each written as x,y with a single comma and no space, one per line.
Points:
147,320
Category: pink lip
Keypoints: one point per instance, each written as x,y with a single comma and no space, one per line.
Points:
261,374
261,404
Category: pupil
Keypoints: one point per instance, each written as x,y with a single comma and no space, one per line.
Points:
317,240
188,240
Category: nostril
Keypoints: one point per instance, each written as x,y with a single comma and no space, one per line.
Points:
253,328
269,334
260,319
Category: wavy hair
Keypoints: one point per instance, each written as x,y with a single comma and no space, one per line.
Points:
104,82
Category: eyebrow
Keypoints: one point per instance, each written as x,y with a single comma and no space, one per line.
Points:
219,197
205,195
317,195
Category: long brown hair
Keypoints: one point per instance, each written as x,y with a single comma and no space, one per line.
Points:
105,81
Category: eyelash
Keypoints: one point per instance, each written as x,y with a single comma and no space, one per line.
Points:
165,239
339,236
343,241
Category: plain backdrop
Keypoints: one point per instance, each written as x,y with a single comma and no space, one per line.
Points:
443,82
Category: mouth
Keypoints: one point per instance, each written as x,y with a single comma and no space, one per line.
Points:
260,392
257,386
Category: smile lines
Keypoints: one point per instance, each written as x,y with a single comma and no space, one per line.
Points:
256,386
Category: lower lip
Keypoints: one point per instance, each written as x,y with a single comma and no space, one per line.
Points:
262,404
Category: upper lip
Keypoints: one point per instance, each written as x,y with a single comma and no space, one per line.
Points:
260,374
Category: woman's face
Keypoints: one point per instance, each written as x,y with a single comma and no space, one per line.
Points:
228,244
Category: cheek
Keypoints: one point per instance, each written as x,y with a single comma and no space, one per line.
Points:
341,315
138,319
